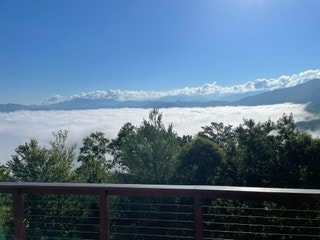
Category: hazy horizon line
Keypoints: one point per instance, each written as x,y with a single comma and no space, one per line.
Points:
212,90
208,89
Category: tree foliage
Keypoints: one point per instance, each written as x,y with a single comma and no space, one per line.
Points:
266,154
148,153
263,154
33,163
94,166
200,162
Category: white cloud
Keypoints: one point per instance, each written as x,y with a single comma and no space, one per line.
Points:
206,89
289,81
18,127
54,99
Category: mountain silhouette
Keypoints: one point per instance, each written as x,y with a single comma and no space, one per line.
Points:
308,92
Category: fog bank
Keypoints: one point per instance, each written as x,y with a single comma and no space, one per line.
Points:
18,127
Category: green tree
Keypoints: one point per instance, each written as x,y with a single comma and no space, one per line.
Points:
221,134
276,154
29,163
4,174
257,151
225,137
33,163
298,156
312,165
148,153
94,166
200,162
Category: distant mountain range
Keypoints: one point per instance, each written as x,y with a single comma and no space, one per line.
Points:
308,92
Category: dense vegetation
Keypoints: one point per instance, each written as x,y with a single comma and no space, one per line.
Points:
267,154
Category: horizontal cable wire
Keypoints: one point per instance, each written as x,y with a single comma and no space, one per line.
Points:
265,209
153,235
270,221
260,217
261,225
264,233
154,220
148,227
154,212
163,218
53,217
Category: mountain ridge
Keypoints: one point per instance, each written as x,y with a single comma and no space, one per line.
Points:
308,92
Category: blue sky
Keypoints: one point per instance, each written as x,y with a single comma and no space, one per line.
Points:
66,47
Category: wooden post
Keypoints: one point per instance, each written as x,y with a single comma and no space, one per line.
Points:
18,214
104,215
198,228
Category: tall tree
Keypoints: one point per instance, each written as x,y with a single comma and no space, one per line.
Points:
200,162
54,163
225,137
312,165
94,166
298,159
258,153
33,163
221,134
148,153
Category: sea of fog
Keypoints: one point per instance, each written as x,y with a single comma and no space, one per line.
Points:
18,127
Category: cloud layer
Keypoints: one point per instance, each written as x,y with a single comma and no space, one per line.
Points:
206,89
18,127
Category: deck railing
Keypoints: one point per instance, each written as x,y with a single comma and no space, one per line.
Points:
126,211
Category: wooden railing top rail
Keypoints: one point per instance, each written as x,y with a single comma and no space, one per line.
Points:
247,193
